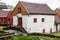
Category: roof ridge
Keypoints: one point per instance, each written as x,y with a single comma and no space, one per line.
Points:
32,2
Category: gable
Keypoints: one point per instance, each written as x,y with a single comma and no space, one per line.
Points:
57,17
57,12
23,9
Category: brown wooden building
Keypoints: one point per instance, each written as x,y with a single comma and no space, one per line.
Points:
57,19
3,17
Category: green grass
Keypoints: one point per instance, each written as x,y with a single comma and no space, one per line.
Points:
56,34
1,27
33,38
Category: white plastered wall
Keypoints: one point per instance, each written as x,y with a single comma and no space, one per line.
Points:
38,27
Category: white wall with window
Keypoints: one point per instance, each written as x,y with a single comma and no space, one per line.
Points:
36,23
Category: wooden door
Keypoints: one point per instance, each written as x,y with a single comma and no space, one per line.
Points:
20,22
50,30
43,30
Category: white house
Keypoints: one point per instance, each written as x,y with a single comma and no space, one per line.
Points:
33,17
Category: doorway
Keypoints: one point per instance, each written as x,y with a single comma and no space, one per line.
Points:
20,22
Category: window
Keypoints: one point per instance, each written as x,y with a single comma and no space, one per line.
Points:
19,10
35,20
42,19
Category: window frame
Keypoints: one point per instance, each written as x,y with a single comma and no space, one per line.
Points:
19,10
43,20
35,20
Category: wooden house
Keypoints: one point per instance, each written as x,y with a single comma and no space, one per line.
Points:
3,17
57,19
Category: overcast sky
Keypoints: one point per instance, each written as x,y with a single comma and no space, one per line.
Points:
53,4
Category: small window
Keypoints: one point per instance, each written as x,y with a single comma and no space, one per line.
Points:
42,19
19,10
35,20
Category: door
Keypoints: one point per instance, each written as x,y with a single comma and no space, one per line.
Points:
50,30
20,22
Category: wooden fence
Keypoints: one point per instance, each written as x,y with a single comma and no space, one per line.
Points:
46,35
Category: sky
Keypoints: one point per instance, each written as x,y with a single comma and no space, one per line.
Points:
53,4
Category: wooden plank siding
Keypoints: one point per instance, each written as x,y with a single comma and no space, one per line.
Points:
57,12
10,18
23,9
3,20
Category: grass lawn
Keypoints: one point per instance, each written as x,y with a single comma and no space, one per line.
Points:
1,27
33,38
56,34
